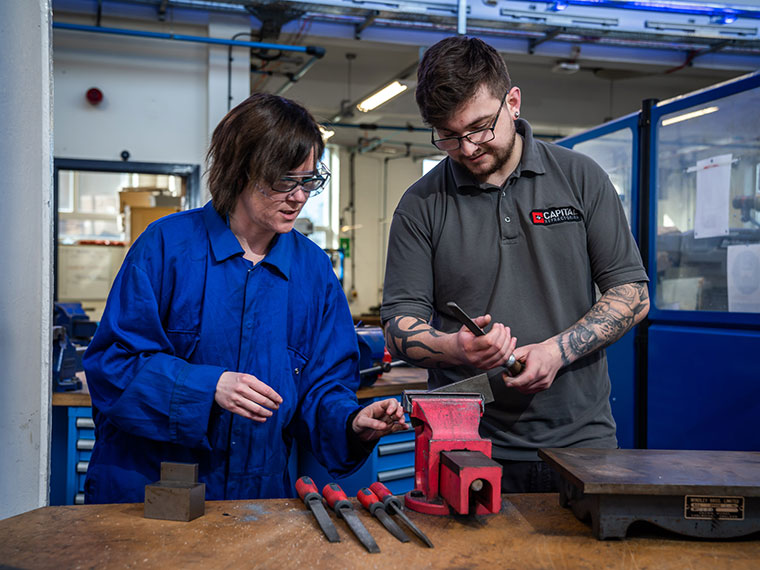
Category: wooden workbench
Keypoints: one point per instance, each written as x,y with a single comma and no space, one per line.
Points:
390,383
531,531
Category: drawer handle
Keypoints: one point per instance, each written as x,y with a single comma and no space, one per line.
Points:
85,444
391,448
85,423
82,466
394,474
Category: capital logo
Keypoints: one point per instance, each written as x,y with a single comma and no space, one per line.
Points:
551,216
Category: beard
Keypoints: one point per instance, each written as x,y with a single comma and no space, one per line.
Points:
499,155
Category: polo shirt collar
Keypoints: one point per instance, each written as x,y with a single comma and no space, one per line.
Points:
225,245
529,162
531,157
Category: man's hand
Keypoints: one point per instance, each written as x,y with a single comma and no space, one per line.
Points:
246,396
541,362
485,352
379,419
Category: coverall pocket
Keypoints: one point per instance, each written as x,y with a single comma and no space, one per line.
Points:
297,363
183,342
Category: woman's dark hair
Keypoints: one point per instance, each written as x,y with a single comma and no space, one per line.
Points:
452,71
259,140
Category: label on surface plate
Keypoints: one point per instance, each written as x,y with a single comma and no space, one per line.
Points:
709,508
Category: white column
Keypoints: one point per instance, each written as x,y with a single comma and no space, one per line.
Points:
221,79
26,252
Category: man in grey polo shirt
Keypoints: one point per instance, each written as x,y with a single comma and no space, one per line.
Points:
517,232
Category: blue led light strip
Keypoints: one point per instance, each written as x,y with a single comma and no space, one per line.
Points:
717,11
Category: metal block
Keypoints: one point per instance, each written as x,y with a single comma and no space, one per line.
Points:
185,472
177,496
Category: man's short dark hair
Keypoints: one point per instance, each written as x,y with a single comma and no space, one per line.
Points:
260,140
452,71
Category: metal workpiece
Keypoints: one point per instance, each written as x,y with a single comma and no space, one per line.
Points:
372,503
338,501
408,397
309,494
177,496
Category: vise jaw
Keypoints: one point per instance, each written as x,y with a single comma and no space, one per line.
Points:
453,468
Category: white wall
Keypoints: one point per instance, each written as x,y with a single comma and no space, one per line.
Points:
155,97
376,200
25,255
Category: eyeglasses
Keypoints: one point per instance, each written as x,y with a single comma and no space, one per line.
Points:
311,183
478,136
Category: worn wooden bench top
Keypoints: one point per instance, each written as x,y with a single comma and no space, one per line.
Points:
531,531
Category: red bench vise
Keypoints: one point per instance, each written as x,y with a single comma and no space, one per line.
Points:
453,468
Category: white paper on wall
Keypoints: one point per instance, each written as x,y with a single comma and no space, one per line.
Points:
713,185
743,276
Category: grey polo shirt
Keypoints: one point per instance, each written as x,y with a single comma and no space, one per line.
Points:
528,253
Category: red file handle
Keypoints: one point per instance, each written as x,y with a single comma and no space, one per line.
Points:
369,500
306,489
335,497
384,494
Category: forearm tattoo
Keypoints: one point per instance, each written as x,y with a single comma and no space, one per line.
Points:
613,315
410,341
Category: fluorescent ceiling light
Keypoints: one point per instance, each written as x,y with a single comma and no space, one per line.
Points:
687,116
383,96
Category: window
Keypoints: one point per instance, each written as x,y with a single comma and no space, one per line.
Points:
614,153
708,196
319,216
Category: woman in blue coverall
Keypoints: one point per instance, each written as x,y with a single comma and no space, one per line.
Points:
226,336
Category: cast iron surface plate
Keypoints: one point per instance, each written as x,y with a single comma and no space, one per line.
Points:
703,494
657,471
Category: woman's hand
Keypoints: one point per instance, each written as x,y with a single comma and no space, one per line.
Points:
246,396
379,419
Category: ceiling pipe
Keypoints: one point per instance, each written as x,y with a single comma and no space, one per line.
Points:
297,75
315,51
373,126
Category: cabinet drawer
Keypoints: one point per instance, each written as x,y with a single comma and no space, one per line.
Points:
393,448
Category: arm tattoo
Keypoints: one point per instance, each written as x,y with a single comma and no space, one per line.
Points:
409,341
613,315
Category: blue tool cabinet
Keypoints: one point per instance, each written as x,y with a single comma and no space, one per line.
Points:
391,462
73,440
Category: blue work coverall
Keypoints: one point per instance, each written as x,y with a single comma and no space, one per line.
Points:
186,307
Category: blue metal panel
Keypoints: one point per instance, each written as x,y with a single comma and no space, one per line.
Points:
745,83
622,370
703,389
58,456
621,359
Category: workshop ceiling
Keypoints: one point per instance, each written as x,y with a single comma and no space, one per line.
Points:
577,62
